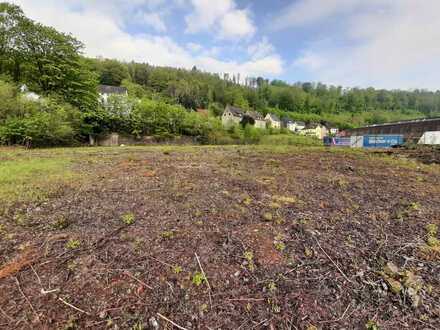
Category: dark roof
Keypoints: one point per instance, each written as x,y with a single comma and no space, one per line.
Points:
287,121
255,115
274,117
106,89
311,125
235,111
301,123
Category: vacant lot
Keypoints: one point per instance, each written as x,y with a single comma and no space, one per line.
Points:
218,238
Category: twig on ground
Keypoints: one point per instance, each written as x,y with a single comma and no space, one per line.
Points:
27,299
425,323
246,299
161,262
334,263
72,306
206,278
43,291
137,280
168,320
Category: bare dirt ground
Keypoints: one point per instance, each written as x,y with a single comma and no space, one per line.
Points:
226,238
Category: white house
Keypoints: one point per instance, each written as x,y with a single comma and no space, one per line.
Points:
299,125
258,118
316,130
232,116
105,91
273,120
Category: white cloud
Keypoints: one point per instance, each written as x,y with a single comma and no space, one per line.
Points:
103,35
153,20
380,43
261,49
222,16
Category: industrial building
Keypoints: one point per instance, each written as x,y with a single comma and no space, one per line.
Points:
411,130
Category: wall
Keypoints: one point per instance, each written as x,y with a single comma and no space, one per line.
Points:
411,130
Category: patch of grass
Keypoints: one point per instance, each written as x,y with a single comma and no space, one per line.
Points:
73,244
26,179
198,279
249,256
128,218
168,234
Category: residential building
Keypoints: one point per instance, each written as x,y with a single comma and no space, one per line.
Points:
258,118
105,91
232,116
317,130
273,120
299,126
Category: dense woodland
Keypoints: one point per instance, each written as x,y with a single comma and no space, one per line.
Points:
51,64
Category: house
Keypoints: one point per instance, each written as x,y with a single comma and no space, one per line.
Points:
293,126
333,131
105,91
232,116
273,120
258,118
299,126
316,130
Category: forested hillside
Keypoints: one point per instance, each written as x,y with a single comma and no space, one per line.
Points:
52,65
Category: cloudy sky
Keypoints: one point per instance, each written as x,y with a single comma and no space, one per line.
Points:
380,43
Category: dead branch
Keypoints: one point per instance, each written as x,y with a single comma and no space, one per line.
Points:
27,299
168,320
206,278
334,263
72,306
137,280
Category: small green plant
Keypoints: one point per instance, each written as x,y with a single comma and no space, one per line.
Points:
198,279
128,218
268,216
73,244
278,243
272,287
177,270
432,230
280,246
249,256
371,325
60,223
167,234
433,241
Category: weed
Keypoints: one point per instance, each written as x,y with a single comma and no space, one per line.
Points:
371,325
432,229
60,223
280,246
249,256
198,279
167,234
177,270
128,218
308,252
73,244
433,242
272,287
267,216
284,199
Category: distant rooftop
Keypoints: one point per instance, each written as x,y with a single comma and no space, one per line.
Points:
406,122
106,89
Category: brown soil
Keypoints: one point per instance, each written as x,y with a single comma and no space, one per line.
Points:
339,216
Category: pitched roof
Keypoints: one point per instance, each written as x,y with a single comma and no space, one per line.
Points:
235,111
311,125
106,89
300,123
255,115
273,117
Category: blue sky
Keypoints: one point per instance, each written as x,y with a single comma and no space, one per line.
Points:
379,43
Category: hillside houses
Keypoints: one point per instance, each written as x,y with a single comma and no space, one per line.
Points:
273,121
236,116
